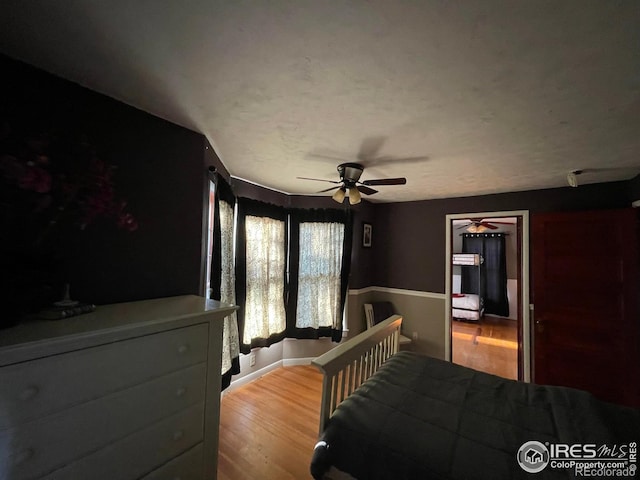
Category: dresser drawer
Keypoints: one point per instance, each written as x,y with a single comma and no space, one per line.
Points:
188,466
38,447
33,389
142,452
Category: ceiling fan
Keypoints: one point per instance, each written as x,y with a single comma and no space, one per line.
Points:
479,225
350,181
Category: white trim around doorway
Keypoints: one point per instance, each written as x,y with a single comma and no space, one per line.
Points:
524,286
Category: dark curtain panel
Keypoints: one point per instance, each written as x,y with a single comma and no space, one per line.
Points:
493,271
495,267
299,216
346,267
247,206
223,193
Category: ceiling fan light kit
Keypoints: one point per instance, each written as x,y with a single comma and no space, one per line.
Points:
354,196
477,229
339,195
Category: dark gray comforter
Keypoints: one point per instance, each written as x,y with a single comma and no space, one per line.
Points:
420,418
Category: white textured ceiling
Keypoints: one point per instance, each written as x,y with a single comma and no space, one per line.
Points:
476,96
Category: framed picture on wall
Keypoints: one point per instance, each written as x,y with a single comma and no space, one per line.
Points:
367,233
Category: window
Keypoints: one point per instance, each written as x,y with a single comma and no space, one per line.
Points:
265,267
285,256
319,274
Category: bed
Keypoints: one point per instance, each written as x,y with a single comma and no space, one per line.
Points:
468,305
400,415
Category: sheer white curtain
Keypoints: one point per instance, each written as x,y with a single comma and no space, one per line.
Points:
265,259
320,262
230,340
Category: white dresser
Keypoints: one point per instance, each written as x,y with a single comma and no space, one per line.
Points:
130,391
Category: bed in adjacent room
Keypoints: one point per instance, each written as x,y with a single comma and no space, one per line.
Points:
468,304
401,415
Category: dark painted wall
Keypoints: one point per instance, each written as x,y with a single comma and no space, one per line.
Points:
160,174
410,250
364,260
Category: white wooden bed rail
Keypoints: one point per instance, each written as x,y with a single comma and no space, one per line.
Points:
349,364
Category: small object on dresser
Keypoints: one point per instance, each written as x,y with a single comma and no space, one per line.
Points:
65,308
66,299
58,313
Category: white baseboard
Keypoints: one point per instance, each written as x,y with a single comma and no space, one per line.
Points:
287,362
290,362
253,376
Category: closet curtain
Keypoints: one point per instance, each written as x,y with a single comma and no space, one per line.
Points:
320,261
223,280
493,271
261,273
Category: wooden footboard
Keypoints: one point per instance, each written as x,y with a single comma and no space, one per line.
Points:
349,364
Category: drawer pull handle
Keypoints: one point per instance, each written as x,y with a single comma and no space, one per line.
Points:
29,392
181,391
178,434
182,349
23,456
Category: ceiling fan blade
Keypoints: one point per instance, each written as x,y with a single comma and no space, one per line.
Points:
328,189
381,161
370,146
502,223
318,179
366,190
488,225
328,156
466,225
386,181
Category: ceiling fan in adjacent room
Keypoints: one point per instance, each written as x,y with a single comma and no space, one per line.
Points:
350,184
480,225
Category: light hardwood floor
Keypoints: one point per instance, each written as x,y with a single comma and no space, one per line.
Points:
490,345
269,427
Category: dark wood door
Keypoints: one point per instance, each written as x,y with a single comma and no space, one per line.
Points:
585,293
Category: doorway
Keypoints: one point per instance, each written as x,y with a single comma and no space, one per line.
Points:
480,333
